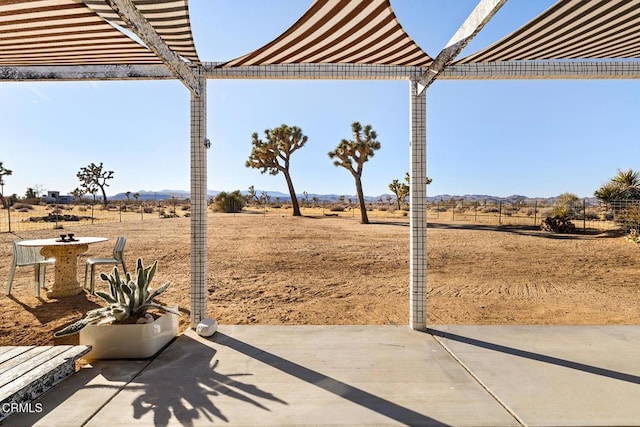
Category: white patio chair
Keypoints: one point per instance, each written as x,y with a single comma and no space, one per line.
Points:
118,258
25,256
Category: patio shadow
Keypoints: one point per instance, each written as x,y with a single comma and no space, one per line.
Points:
353,394
183,381
621,376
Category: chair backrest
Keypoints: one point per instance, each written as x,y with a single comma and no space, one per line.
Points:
26,255
118,250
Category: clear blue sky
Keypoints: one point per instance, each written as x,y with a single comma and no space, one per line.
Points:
535,138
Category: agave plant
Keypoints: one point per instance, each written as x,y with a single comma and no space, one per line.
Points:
127,299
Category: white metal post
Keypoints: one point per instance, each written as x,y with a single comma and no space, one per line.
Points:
199,256
418,208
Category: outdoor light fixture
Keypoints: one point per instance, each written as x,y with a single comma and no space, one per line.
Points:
207,143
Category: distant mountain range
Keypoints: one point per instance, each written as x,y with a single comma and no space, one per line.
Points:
182,195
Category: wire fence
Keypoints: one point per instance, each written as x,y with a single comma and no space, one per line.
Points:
581,213
23,216
584,215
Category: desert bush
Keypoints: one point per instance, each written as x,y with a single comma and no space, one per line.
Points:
148,209
383,208
607,216
490,209
19,206
229,202
185,207
337,208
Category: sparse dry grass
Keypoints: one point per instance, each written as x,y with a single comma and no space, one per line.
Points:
277,269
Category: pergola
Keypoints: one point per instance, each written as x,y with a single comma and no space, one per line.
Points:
69,40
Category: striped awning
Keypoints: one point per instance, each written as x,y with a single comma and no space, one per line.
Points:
341,31
572,29
170,19
68,32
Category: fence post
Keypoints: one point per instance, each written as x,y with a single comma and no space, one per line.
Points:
584,214
9,215
500,213
535,213
475,212
453,211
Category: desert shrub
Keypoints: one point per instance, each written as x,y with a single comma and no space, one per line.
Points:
19,206
229,202
490,209
147,209
82,208
185,207
168,214
383,208
607,216
337,208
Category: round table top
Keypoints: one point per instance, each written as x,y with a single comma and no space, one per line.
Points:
57,242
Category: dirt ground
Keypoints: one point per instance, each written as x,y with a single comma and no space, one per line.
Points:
277,269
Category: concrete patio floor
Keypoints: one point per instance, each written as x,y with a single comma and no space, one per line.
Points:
363,375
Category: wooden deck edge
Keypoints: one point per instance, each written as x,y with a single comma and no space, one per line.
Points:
32,381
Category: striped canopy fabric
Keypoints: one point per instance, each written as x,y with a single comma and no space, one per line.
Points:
572,29
170,19
68,32
341,31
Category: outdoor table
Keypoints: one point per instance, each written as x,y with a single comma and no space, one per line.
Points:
66,253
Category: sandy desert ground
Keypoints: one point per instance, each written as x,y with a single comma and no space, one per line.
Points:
277,269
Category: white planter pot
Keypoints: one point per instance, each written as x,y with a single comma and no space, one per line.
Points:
137,341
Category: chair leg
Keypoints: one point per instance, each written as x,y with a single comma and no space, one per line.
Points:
93,279
38,280
12,272
124,268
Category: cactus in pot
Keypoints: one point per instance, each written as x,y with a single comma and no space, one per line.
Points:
128,299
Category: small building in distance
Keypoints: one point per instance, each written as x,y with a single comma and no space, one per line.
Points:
55,197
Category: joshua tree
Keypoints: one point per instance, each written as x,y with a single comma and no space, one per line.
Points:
252,195
274,155
92,178
401,190
353,154
78,193
3,172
